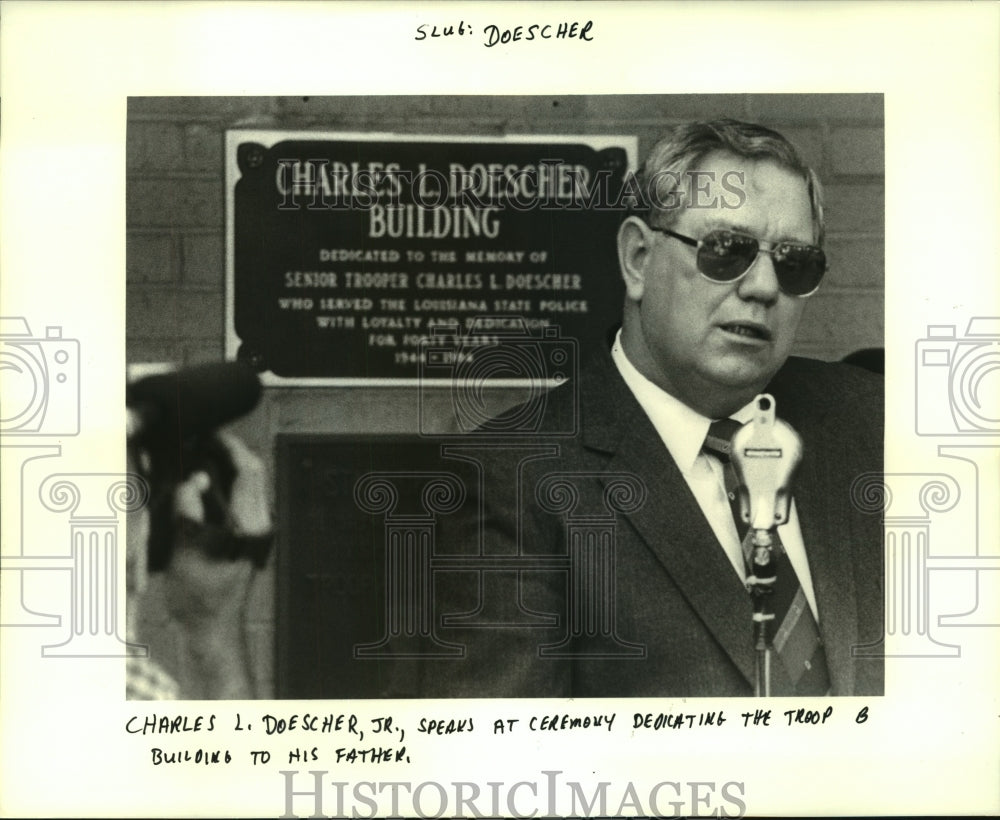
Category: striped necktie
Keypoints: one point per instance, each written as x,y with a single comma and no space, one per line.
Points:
792,632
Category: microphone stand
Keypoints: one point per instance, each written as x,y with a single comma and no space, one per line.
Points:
765,453
761,586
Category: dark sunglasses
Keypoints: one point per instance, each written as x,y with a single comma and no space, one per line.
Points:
726,256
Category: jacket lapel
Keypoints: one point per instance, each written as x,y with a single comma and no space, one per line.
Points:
673,526
823,505
670,523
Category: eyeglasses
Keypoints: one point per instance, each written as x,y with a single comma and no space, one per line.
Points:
727,256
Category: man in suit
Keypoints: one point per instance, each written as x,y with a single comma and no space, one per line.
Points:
717,272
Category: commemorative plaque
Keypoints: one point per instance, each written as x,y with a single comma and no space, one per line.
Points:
351,257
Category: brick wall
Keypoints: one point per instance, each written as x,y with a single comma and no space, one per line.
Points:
175,234
176,191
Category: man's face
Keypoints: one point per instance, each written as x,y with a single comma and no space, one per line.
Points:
710,344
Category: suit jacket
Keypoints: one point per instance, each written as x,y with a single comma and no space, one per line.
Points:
655,609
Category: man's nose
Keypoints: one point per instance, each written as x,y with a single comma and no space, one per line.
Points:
760,282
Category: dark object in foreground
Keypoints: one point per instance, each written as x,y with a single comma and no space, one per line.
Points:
179,413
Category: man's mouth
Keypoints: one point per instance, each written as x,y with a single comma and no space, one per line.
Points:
748,331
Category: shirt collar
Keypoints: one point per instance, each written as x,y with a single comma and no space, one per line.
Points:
682,429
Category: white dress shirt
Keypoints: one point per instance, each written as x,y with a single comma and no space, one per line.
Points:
683,432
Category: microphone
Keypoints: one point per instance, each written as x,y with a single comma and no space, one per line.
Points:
765,453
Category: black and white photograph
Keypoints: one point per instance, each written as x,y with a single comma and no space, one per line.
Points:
499,410
490,359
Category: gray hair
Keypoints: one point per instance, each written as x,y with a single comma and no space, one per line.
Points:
674,157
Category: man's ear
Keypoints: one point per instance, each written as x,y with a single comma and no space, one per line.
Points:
634,246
